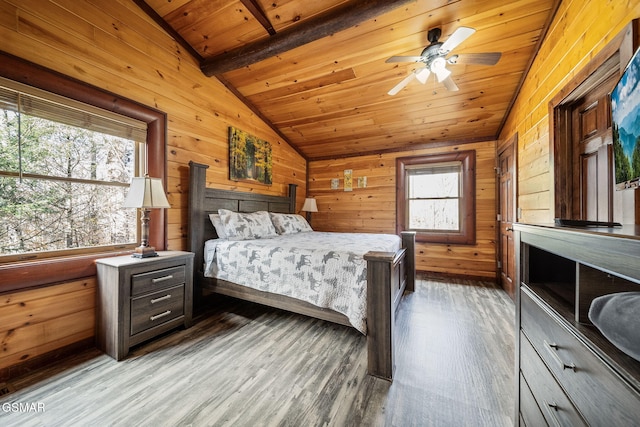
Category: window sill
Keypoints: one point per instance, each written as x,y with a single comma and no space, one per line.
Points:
446,239
28,274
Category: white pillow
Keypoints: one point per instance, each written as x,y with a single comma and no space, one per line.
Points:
247,226
217,224
617,316
289,223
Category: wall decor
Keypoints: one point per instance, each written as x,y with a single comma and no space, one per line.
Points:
335,183
348,179
249,157
362,182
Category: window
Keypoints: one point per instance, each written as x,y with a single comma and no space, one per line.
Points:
436,197
65,168
21,275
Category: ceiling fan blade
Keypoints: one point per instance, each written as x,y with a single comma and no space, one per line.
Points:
456,38
397,88
449,84
487,58
405,59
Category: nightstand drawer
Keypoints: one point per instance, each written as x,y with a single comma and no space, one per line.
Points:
156,308
580,371
157,279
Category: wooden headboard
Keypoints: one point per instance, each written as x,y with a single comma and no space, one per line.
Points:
203,201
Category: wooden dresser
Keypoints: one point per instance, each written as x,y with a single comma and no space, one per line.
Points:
567,372
141,298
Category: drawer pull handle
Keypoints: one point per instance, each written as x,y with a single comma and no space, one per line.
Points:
155,300
162,279
158,316
551,409
553,348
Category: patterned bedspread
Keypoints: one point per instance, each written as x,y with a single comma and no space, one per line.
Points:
324,269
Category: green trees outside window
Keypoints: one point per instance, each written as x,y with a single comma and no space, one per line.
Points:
62,186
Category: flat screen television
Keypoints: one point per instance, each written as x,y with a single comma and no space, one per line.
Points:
625,124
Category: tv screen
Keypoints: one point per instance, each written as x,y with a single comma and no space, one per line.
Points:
625,124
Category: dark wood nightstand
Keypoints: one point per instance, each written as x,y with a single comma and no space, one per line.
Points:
137,299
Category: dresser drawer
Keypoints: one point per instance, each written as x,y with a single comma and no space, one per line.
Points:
530,414
157,279
551,400
156,308
585,376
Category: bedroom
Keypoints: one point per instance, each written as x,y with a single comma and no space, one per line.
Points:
117,47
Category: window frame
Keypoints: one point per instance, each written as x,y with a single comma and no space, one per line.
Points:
467,233
69,114
29,273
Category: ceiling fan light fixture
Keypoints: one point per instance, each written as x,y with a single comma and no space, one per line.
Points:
423,75
438,67
442,74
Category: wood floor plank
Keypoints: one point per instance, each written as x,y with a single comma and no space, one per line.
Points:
242,364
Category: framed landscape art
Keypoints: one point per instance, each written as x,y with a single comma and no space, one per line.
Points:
249,157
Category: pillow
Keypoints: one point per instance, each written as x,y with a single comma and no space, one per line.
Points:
289,223
617,316
247,226
217,224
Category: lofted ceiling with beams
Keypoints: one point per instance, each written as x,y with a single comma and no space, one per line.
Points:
316,71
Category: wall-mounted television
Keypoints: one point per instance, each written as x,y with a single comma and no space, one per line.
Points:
625,125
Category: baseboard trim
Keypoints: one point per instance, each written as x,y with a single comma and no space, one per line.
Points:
445,276
38,362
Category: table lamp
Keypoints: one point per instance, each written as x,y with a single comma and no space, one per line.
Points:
308,207
145,193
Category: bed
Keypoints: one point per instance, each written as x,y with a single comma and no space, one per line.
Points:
386,274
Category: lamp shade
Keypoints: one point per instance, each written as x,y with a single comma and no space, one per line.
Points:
146,192
309,205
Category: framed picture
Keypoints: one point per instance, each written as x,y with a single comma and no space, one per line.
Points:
348,179
249,157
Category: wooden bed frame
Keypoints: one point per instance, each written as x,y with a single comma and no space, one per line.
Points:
388,274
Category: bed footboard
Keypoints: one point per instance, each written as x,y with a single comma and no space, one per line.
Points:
388,276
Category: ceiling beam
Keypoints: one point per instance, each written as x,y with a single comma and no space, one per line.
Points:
259,14
353,13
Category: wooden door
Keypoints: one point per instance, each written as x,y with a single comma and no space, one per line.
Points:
592,155
507,214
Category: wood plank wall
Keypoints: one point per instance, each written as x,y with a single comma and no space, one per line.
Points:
373,209
581,29
38,321
115,46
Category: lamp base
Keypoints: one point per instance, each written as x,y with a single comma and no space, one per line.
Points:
144,252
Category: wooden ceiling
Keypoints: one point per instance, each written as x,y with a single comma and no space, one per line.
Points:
316,70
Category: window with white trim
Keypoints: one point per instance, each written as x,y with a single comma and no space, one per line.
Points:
433,196
65,168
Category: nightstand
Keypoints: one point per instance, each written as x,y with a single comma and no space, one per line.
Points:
138,299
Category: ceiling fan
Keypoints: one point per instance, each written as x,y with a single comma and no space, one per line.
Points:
433,58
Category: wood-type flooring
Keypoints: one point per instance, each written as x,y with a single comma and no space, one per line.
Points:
243,364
